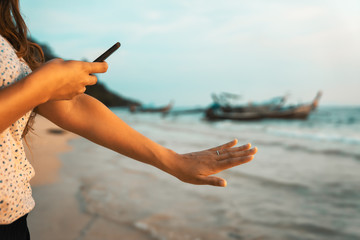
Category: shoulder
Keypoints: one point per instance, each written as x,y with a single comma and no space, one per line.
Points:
7,52
5,45
9,63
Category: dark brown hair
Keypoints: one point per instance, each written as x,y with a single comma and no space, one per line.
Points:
14,29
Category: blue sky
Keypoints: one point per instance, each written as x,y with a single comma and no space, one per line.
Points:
186,50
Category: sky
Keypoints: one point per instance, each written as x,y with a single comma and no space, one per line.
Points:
185,50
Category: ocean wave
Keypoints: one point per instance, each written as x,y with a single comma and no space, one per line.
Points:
311,231
343,153
272,183
325,135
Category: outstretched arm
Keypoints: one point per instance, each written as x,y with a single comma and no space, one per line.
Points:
89,118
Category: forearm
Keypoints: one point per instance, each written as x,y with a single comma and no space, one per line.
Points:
89,118
54,80
19,98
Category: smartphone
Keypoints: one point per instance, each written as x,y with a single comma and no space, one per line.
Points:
106,54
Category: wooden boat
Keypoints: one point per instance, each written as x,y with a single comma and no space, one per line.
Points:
224,99
218,114
295,112
301,111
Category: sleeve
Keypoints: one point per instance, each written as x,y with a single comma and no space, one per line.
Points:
9,68
3,61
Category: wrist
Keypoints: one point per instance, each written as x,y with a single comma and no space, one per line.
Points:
34,84
166,161
171,162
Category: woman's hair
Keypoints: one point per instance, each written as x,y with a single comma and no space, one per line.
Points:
14,29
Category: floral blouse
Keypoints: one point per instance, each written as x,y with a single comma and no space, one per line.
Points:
15,170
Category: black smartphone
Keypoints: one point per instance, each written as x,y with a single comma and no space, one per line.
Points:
106,54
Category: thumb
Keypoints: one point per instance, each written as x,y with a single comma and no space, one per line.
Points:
212,180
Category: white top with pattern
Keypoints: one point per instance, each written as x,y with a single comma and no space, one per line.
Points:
15,170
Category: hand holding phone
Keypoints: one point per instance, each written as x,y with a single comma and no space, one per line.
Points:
106,54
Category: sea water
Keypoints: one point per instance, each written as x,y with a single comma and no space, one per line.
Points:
304,182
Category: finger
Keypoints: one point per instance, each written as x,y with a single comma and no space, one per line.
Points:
240,148
226,154
224,146
233,162
97,67
92,80
82,90
212,180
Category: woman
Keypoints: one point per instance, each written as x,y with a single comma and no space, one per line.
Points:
55,90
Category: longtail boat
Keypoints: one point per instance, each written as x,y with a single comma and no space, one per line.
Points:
302,111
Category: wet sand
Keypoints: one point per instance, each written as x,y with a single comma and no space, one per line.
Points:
43,146
58,213
293,189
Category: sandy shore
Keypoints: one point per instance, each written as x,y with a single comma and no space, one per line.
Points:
58,213
42,148
293,189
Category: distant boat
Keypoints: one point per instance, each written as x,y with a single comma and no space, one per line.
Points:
224,100
301,111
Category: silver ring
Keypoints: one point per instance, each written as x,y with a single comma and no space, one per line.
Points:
217,152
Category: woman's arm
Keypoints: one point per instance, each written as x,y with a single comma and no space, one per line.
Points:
56,79
89,118
18,99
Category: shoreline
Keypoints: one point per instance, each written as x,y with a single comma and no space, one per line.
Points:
100,194
57,190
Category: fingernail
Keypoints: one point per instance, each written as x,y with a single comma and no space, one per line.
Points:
248,145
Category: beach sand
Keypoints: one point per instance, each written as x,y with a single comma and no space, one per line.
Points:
58,213
42,148
293,189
